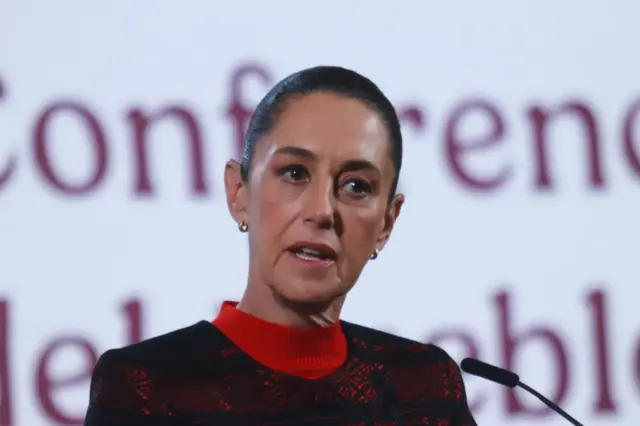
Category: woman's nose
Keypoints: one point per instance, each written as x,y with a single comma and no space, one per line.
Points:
320,206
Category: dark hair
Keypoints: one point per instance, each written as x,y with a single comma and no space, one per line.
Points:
332,79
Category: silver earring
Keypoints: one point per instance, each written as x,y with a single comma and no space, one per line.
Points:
375,254
243,227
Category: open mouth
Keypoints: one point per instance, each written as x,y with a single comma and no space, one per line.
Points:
312,252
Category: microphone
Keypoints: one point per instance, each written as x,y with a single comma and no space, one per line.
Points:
509,379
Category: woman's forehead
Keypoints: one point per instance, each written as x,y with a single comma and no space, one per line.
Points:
331,125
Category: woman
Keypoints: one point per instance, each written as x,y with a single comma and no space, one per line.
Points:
316,193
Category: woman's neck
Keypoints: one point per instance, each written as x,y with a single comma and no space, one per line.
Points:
261,302
306,352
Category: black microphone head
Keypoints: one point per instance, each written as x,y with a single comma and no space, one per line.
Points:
490,372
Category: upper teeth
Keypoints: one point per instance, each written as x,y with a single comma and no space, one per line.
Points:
310,251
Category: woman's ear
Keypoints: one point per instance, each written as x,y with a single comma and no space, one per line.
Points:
236,191
390,217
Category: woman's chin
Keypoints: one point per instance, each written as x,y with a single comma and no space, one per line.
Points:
308,293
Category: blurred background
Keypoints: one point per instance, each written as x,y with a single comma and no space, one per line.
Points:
518,243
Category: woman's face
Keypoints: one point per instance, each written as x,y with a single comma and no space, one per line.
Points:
317,200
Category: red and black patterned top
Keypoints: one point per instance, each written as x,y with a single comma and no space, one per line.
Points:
242,371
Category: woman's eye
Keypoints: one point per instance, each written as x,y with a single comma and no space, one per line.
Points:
358,186
295,173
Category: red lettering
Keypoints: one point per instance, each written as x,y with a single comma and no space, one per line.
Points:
140,125
470,350
604,401
97,137
7,171
237,112
47,385
412,116
510,343
458,147
628,135
132,310
6,412
539,119
10,165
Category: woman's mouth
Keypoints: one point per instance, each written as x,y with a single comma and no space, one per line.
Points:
317,254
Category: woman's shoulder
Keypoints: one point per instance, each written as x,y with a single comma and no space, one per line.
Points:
172,347
424,367
182,339
394,346
123,378
163,353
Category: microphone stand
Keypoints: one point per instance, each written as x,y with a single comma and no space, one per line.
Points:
549,403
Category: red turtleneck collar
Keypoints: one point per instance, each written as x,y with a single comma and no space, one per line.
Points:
309,353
